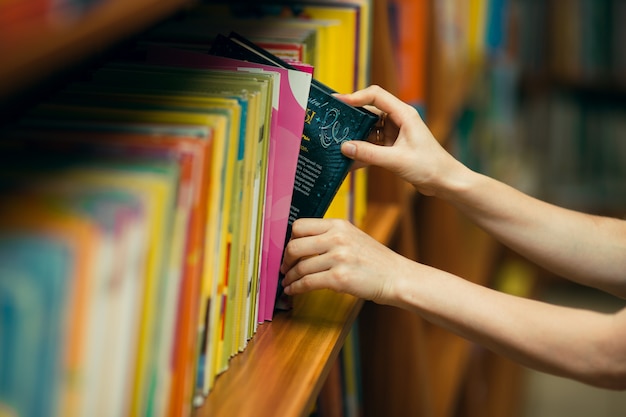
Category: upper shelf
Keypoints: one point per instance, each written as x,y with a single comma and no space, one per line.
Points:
49,49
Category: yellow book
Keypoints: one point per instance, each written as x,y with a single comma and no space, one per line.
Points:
342,53
476,27
342,78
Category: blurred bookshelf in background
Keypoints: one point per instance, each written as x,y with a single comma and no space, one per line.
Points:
548,114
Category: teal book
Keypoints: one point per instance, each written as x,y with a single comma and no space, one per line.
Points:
328,122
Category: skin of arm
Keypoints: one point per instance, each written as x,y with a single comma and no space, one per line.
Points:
579,344
585,248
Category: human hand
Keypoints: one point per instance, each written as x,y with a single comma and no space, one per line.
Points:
410,150
334,254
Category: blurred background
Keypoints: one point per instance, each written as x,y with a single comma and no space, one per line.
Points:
531,92
548,115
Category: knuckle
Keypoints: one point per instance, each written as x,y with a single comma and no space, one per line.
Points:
299,269
291,247
341,256
305,284
295,227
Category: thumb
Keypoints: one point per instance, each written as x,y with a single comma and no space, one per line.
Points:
365,152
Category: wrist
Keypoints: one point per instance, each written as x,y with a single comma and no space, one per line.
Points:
406,289
454,182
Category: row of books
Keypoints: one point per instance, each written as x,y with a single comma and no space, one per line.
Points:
579,146
565,147
580,39
147,207
472,31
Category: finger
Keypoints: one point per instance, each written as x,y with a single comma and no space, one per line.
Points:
298,249
309,227
379,98
305,241
366,153
308,283
305,267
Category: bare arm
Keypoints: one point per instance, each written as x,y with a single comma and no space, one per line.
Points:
578,344
574,343
585,248
588,249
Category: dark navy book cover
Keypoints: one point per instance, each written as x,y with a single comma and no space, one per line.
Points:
321,166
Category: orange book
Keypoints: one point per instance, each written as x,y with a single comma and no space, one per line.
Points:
410,26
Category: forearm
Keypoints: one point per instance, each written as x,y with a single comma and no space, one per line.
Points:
585,248
578,344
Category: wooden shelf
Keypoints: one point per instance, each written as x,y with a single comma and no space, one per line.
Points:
283,368
36,56
281,371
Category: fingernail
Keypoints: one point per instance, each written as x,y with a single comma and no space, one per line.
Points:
348,149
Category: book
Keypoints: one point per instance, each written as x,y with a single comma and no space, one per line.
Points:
329,122
410,25
46,192
157,182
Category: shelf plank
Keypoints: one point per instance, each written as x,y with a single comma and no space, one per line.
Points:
283,368
285,364
37,55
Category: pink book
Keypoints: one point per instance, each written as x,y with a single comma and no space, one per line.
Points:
288,115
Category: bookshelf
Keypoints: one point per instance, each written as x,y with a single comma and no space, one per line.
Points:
411,367
298,347
283,369
576,79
